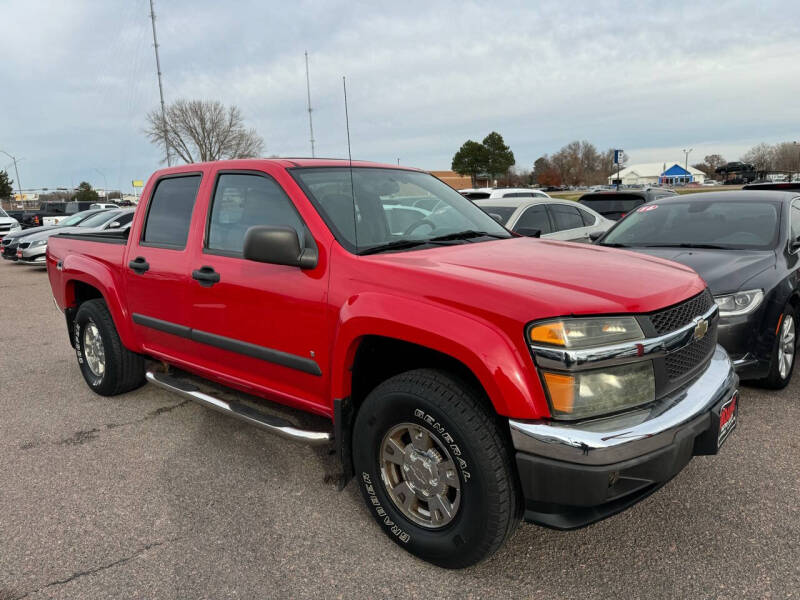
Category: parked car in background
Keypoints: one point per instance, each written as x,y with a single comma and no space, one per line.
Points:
10,242
711,183
785,186
103,205
470,377
547,218
8,224
31,249
51,213
494,193
746,245
615,205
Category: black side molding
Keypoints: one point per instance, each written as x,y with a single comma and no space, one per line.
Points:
284,359
165,326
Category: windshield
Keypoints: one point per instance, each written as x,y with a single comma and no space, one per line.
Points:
77,218
3,213
392,206
722,224
99,218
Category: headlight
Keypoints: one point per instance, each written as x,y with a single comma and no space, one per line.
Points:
16,226
740,303
38,243
593,393
585,333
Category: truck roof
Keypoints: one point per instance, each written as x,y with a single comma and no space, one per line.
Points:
287,163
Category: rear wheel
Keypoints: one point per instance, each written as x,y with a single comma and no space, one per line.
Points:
783,353
435,468
107,366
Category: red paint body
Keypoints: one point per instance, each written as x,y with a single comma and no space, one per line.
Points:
469,301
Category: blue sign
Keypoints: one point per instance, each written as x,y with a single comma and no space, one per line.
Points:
618,157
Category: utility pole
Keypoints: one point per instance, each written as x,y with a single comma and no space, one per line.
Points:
310,124
160,86
686,159
105,183
16,171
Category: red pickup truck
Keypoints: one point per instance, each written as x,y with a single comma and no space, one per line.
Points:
472,377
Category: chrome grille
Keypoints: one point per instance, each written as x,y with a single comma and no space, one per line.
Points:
681,314
688,358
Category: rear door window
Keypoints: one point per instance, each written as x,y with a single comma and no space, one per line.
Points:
588,218
565,217
534,217
170,212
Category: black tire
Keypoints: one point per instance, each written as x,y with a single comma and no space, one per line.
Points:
123,370
774,380
455,417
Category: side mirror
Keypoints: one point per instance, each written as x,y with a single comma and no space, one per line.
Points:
497,218
278,246
529,232
794,244
114,225
596,235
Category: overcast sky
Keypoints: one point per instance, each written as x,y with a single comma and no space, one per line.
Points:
78,78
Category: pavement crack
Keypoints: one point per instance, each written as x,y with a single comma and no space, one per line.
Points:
95,570
89,435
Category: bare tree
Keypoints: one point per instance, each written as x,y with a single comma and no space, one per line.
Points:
200,131
762,156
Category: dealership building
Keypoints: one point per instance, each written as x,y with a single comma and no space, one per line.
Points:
657,174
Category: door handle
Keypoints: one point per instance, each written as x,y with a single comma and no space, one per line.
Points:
206,275
139,265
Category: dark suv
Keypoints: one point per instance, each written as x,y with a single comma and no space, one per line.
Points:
615,205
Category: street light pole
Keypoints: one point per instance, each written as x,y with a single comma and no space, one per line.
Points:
16,171
686,159
105,183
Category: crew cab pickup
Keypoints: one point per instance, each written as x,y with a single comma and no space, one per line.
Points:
472,377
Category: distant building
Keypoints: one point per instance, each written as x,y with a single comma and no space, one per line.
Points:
453,179
657,174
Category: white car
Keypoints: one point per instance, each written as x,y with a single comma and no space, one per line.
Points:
8,224
495,193
547,218
103,205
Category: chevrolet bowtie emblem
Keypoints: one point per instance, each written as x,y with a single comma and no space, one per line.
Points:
700,328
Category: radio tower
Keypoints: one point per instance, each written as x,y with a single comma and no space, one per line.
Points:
160,87
310,123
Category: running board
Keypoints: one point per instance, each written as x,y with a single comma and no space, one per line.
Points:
239,411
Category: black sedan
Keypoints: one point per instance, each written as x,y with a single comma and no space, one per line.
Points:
745,245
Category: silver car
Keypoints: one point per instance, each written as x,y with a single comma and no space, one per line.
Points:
547,218
32,249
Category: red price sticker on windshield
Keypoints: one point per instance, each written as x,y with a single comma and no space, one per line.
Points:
647,208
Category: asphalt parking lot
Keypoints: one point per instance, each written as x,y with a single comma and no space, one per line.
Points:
146,496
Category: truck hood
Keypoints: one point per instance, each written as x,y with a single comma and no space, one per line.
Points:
724,271
8,221
526,278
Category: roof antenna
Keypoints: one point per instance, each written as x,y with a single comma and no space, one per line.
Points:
350,159
310,123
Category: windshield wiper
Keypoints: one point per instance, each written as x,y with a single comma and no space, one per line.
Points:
465,235
705,246
396,245
613,245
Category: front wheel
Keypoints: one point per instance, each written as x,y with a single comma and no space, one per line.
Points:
783,353
435,469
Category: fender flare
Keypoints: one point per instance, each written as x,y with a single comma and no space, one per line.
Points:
503,368
102,277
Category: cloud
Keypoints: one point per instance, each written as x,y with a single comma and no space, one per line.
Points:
422,78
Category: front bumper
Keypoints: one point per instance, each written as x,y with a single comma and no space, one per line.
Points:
575,474
33,256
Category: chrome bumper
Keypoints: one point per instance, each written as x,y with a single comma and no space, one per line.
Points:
635,433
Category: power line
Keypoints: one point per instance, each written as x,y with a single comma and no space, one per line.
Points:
160,86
